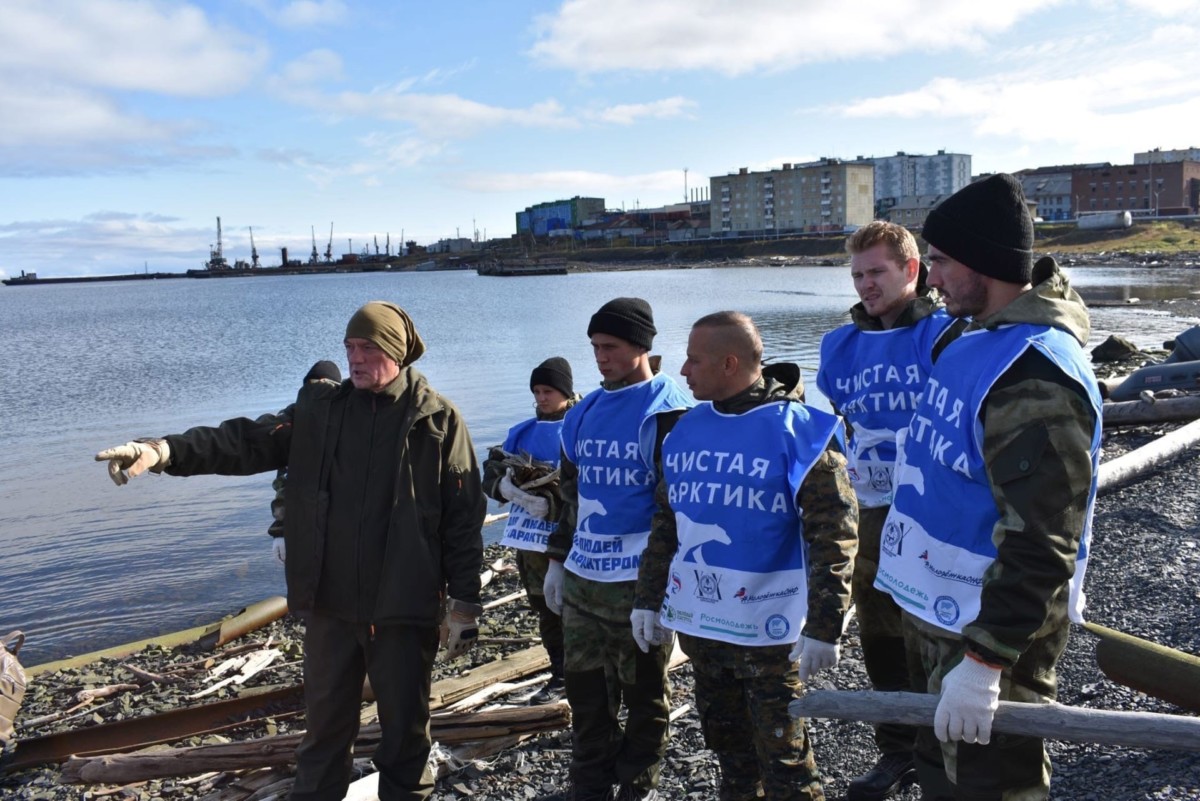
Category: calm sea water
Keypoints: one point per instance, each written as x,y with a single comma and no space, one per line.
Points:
85,564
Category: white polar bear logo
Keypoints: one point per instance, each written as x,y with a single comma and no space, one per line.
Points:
588,508
697,535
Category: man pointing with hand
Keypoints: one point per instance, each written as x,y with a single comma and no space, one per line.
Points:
383,540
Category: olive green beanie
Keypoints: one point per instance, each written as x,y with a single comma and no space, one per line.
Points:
389,327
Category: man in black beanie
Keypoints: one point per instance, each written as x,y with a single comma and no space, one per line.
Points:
532,515
986,543
610,463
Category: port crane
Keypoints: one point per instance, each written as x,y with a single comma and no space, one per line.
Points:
216,255
253,250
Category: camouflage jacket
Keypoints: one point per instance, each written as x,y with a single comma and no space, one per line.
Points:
1037,431
829,512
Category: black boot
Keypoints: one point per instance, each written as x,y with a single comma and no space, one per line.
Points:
891,773
555,689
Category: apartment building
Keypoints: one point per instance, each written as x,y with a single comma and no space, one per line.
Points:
555,215
1171,187
1158,156
825,195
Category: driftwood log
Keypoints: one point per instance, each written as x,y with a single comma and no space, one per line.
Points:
447,729
1125,468
1148,667
1049,721
1140,412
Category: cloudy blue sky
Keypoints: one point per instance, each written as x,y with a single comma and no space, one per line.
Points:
128,126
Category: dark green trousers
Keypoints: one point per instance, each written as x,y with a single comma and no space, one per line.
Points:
742,697
338,655
605,669
1010,767
531,567
880,630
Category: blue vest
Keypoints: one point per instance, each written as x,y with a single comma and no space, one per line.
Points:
609,435
540,439
876,379
740,574
937,541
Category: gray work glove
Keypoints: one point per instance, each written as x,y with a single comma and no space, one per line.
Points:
134,458
459,628
536,505
814,656
647,631
969,700
552,587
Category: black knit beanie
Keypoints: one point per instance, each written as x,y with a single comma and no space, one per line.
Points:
324,369
627,318
554,372
986,226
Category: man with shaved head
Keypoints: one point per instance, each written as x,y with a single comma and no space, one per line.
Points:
750,555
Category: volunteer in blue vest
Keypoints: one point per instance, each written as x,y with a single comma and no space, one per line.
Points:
750,556
873,371
532,514
986,543
611,443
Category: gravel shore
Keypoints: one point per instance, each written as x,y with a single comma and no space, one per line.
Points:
1143,579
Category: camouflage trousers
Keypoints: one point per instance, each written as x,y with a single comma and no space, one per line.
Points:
1011,767
531,567
880,630
742,696
605,668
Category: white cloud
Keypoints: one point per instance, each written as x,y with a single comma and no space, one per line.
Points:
1146,90
132,45
314,67
309,13
735,38
1168,8
576,182
629,113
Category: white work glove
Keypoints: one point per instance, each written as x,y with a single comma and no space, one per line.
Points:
970,697
647,631
552,587
279,548
459,628
134,458
536,505
814,656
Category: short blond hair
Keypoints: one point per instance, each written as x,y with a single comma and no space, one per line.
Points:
899,240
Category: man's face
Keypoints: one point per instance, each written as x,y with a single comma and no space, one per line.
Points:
370,368
704,368
615,358
963,290
884,285
547,399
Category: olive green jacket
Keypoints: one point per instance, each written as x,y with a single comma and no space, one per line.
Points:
1037,432
419,535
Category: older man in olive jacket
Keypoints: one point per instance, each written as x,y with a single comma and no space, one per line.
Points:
382,532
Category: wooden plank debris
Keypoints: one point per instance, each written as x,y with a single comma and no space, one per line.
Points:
449,728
